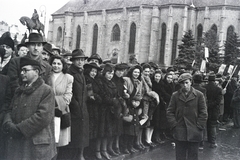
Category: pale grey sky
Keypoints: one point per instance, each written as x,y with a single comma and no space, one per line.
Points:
12,10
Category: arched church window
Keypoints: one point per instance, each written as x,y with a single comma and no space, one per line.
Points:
132,38
230,32
78,37
116,33
214,27
199,33
59,34
174,42
163,42
95,39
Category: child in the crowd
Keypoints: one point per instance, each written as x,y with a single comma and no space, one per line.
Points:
131,125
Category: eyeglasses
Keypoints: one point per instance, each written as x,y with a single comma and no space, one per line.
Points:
5,46
24,70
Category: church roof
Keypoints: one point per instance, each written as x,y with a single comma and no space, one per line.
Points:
93,5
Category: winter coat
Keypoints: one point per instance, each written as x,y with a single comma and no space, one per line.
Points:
5,100
78,110
214,96
187,116
94,106
14,72
128,82
236,99
132,128
108,121
62,88
32,111
167,91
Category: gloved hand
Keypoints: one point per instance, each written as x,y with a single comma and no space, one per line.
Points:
12,130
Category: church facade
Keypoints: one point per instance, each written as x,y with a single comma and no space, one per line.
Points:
149,29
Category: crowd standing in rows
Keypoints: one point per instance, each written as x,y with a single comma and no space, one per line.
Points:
53,107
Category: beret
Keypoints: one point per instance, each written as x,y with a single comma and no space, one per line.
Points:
184,77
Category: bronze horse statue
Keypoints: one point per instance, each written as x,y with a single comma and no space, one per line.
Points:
31,25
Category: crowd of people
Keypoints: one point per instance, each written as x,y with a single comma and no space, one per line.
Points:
54,105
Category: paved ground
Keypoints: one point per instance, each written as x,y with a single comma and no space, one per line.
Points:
228,140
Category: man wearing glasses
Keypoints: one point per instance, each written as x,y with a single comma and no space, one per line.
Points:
28,122
35,45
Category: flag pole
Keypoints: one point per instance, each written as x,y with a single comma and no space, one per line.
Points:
231,76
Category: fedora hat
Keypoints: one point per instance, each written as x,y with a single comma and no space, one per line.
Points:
92,65
48,48
78,53
56,48
35,38
95,56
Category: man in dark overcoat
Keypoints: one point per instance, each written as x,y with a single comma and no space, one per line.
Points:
214,96
35,45
29,121
78,110
187,115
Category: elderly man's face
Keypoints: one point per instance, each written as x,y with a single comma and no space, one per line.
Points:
29,74
186,85
35,49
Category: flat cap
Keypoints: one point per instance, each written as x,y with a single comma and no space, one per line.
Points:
184,77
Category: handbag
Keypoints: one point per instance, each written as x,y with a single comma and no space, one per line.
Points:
65,120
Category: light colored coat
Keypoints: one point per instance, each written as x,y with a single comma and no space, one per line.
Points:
187,115
62,88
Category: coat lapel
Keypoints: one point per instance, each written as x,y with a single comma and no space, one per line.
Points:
183,98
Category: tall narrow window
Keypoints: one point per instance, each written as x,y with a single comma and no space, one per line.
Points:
59,34
174,42
214,27
199,33
116,33
163,42
132,38
95,39
78,39
230,32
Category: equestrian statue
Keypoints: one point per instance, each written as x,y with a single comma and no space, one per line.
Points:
33,23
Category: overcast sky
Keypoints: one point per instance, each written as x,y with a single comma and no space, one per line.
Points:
12,10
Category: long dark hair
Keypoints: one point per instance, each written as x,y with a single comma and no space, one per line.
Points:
65,67
130,72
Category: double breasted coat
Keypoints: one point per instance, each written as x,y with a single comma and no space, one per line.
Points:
32,111
78,110
187,115
62,87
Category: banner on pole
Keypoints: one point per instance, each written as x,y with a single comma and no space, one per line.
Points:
222,68
206,52
230,69
203,66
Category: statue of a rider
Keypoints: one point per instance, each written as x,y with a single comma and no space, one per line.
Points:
35,18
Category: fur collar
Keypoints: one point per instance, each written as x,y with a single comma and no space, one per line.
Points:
30,89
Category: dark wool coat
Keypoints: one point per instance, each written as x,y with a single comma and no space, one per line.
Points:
4,103
214,96
32,110
132,128
78,110
167,91
94,106
187,116
108,123
14,72
236,99
159,116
